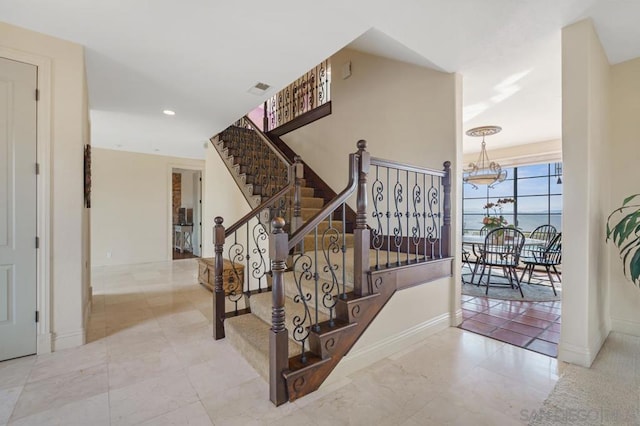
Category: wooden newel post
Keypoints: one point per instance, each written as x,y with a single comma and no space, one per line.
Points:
278,336
445,239
361,233
218,291
297,194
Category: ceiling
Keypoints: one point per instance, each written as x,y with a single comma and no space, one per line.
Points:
200,57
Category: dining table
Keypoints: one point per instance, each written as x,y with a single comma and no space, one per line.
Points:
475,239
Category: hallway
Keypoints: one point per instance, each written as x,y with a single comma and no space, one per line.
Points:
151,360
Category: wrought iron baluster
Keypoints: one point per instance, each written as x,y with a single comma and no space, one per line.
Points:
408,214
236,256
344,251
377,193
259,267
415,231
316,278
330,238
388,220
424,215
397,231
302,271
432,229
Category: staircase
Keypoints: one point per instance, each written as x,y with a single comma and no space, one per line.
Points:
295,312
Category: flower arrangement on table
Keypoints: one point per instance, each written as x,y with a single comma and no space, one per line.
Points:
494,218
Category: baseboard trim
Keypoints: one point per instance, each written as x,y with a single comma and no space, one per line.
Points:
580,355
87,311
364,357
625,326
43,344
456,318
68,340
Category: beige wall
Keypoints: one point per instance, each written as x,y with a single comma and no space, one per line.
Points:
585,136
131,206
224,199
409,114
62,115
625,174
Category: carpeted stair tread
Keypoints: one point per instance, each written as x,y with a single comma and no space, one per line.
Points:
309,212
250,336
311,202
306,191
261,305
336,258
309,241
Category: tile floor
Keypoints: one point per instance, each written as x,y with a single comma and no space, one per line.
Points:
151,360
531,325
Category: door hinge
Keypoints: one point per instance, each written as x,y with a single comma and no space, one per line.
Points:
37,316
200,201
37,242
37,95
37,168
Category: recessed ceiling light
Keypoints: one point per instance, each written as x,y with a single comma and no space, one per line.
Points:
259,88
156,150
168,112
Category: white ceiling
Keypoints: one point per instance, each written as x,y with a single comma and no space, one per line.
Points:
199,57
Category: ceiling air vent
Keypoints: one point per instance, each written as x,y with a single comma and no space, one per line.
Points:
259,88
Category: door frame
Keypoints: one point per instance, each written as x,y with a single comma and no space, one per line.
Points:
172,166
43,192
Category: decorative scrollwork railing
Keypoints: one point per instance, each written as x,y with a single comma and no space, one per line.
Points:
408,213
303,95
245,246
263,166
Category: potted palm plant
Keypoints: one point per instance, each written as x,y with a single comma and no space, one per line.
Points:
623,228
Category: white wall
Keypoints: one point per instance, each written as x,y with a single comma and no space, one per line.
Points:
625,174
585,135
520,155
409,114
131,206
62,116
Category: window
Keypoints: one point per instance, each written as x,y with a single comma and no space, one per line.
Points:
537,193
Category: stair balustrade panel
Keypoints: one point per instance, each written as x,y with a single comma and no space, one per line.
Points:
255,158
407,212
308,92
321,273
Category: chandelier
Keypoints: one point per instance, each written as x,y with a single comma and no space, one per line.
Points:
484,171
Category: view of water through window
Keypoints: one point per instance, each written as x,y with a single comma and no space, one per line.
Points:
537,190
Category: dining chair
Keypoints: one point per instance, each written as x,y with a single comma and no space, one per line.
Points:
465,260
502,248
549,257
544,233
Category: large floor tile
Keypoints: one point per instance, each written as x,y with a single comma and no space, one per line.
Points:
61,390
68,360
8,400
152,398
14,373
92,411
193,415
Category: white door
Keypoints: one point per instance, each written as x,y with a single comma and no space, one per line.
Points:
17,209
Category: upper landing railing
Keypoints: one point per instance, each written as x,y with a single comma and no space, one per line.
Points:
305,94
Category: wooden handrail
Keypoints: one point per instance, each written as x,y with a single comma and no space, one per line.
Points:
402,166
